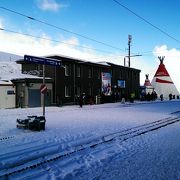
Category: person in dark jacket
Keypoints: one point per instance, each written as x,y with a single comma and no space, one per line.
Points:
161,97
82,100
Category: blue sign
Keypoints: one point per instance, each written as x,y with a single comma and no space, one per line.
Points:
40,60
121,83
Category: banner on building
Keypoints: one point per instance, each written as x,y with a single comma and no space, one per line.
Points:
121,84
106,83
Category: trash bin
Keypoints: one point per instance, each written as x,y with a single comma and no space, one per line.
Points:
35,123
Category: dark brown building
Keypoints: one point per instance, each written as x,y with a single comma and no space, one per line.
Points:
76,76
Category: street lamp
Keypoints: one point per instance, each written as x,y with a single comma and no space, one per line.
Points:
129,59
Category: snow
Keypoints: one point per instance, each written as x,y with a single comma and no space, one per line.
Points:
5,56
153,155
5,82
10,70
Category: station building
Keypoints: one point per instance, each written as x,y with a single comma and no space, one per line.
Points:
100,82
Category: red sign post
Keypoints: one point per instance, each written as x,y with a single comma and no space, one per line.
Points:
43,88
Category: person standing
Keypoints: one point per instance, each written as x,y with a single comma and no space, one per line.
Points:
161,97
82,100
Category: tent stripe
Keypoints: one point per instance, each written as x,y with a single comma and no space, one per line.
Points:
163,81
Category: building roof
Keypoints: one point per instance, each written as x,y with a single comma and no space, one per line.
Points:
78,60
7,78
5,82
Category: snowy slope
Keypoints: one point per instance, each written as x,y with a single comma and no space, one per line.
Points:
8,65
4,56
76,131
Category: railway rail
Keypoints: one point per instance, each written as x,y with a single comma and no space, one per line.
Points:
53,152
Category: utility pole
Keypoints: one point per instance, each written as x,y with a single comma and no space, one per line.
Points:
43,93
129,49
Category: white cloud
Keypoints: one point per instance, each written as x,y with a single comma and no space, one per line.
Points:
49,5
20,45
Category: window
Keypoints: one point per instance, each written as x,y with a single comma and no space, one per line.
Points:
67,70
78,71
67,91
78,91
99,74
90,72
90,91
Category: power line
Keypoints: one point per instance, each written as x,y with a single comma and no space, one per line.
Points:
32,18
146,21
147,53
60,28
38,37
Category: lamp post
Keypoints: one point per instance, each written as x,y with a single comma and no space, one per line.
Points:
129,59
129,48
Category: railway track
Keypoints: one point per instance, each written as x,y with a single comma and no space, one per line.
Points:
6,138
53,153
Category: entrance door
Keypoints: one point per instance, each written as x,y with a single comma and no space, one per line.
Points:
34,98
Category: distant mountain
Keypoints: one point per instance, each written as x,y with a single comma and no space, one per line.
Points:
8,65
4,56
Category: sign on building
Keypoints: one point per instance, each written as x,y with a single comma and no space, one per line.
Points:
121,84
41,60
106,83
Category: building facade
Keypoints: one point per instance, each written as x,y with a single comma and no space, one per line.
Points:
76,76
28,92
7,94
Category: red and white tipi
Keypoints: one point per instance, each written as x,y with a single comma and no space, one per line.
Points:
162,81
148,87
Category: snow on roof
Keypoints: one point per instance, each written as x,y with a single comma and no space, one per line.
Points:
24,76
12,71
17,76
5,82
103,63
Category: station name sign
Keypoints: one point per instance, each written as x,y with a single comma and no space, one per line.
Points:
41,60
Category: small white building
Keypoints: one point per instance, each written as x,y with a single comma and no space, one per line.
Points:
28,93
7,94
23,90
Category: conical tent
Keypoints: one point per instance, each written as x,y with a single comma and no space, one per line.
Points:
162,81
148,87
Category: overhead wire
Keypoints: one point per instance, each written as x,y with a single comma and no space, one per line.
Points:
147,53
60,28
146,21
38,37
83,36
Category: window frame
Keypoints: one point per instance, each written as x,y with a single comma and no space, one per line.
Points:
90,72
78,71
67,91
67,70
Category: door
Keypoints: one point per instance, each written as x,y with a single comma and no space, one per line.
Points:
34,99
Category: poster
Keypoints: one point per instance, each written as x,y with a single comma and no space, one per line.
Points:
106,83
121,84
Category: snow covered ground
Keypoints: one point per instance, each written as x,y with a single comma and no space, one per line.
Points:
107,141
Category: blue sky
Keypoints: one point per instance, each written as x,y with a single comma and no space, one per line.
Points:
102,20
